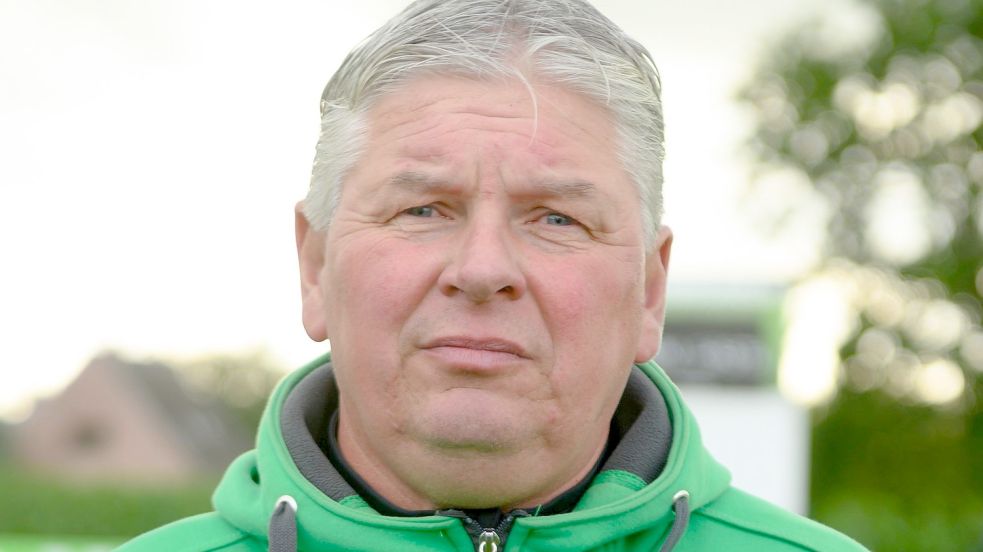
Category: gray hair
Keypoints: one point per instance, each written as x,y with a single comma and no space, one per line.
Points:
567,42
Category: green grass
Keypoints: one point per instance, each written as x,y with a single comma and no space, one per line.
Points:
35,505
46,543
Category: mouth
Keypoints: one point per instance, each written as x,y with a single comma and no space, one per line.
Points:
475,353
495,345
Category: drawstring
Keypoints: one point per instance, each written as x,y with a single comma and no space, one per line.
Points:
283,525
680,505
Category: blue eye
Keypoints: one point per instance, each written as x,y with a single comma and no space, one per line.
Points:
557,219
421,211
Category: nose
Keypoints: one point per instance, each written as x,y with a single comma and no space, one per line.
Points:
483,264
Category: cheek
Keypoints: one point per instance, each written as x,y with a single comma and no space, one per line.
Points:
593,313
374,287
594,297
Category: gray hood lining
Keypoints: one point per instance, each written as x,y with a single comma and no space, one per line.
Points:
304,424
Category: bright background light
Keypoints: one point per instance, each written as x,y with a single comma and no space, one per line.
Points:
152,153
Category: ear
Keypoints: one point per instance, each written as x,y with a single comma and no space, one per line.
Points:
654,315
310,255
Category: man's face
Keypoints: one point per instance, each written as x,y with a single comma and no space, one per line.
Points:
484,282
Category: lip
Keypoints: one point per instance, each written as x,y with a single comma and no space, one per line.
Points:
476,350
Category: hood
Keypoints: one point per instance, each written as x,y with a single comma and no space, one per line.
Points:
630,500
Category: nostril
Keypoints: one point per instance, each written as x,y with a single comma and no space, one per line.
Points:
483,269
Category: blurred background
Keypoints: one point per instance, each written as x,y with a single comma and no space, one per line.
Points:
823,181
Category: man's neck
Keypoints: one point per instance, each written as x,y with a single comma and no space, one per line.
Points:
563,501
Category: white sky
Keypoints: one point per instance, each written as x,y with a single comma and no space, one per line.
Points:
152,152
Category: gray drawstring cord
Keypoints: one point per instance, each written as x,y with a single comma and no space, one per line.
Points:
680,505
283,525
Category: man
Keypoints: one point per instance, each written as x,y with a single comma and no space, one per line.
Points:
482,246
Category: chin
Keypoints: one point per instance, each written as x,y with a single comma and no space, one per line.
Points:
476,422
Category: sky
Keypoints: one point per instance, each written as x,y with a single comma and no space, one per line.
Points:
152,153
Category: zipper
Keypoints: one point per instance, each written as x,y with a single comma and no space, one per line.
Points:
487,539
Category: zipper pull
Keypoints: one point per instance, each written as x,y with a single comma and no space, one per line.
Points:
488,541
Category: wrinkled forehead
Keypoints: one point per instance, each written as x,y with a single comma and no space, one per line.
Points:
441,120
543,114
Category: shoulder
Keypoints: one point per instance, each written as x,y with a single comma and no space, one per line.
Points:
200,533
745,522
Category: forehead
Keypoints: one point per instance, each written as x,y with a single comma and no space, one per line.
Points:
437,117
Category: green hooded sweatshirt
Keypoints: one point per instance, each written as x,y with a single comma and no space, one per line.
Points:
658,489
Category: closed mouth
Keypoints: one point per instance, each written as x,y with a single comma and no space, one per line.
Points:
495,345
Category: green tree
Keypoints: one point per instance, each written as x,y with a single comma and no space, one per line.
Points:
883,137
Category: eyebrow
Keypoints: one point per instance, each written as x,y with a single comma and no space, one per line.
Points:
415,181
421,183
567,188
